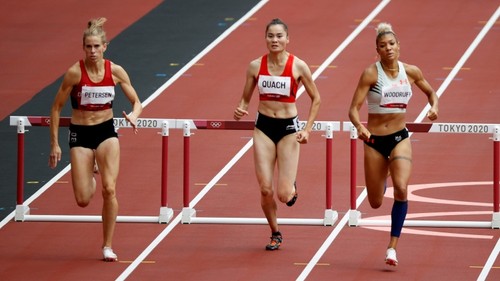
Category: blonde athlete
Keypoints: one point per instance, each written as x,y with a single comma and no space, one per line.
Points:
89,83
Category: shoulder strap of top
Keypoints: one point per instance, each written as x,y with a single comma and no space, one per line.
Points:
288,66
84,75
263,66
379,67
107,66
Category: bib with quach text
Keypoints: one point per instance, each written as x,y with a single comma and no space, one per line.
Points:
274,85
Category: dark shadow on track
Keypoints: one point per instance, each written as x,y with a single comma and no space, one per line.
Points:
152,50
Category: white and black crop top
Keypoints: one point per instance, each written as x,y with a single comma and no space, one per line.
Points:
389,95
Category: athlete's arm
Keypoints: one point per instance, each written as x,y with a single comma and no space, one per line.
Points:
121,77
368,78
417,76
312,91
250,83
71,78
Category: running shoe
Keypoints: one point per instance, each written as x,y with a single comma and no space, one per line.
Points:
294,198
275,243
390,257
108,254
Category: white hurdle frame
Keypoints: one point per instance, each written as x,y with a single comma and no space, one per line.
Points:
455,128
189,214
22,212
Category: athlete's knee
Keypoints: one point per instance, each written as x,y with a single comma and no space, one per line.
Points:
283,198
284,195
83,196
82,201
375,203
108,192
266,188
400,192
375,195
266,192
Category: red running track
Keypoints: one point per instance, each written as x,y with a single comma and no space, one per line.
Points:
51,29
433,35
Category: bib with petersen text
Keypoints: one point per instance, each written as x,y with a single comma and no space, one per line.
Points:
97,94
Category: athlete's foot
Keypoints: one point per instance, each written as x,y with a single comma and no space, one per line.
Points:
109,255
275,243
390,257
294,198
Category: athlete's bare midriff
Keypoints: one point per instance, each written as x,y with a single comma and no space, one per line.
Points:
385,124
278,109
84,117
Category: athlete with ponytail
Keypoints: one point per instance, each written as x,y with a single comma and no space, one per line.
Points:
386,86
89,83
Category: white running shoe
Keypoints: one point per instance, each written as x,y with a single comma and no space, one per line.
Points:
390,257
108,254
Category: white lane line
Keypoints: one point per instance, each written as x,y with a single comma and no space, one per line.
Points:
439,92
178,218
462,61
247,146
204,52
35,195
345,218
329,240
489,263
151,97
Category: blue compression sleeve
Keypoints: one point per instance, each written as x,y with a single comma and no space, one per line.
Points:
398,216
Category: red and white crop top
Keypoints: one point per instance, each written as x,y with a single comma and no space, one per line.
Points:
282,88
389,95
91,96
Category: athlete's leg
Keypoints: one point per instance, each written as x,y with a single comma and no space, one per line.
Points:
82,174
108,160
265,161
288,160
400,168
376,169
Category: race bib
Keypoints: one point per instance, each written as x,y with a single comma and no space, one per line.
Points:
97,95
395,96
275,85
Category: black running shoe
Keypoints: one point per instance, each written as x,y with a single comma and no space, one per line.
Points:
294,198
275,243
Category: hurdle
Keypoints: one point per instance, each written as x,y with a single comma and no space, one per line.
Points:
189,214
22,211
450,128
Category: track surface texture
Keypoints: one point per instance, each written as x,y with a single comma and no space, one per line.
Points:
187,60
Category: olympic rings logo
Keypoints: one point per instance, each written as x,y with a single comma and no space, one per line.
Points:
215,124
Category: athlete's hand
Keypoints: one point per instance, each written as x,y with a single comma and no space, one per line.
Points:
363,133
432,114
54,156
132,119
239,113
302,137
